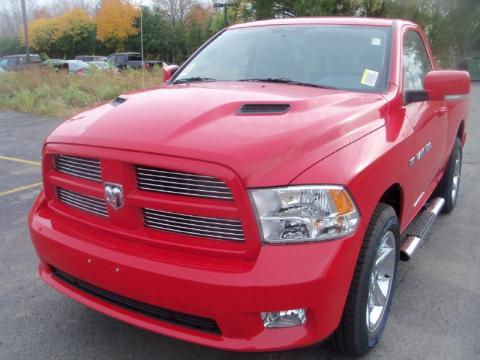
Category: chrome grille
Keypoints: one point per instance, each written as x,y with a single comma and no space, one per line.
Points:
82,202
208,227
79,167
180,183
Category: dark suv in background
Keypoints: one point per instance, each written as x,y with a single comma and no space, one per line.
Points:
132,60
19,62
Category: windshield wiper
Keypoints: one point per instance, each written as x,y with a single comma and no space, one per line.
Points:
291,82
193,79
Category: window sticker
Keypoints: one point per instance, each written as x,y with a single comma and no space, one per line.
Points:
369,78
376,41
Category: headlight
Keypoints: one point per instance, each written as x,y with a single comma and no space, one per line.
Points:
304,213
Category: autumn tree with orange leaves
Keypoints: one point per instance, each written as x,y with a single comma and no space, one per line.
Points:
116,23
63,36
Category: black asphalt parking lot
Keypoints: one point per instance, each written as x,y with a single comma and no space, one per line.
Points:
435,315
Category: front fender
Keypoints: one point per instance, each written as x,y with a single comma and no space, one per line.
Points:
367,168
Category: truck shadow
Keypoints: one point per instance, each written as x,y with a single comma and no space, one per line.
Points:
109,338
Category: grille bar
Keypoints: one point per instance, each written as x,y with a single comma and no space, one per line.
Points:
83,202
79,167
179,183
216,228
175,317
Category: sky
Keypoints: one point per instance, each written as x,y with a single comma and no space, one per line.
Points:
144,2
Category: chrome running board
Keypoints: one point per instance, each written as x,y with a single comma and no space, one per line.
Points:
418,229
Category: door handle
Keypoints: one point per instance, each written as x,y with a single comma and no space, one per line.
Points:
442,110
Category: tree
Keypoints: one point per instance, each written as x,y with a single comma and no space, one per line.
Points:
156,36
116,22
465,26
65,35
175,10
10,45
76,33
44,34
58,7
11,16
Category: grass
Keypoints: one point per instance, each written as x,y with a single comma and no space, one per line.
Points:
58,94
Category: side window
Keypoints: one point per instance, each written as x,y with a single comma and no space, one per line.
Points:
416,63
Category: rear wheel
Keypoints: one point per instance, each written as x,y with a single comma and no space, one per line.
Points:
449,186
370,297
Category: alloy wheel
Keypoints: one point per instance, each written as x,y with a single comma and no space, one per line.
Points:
381,281
456,176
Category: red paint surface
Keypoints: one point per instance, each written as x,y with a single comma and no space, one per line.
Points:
362,141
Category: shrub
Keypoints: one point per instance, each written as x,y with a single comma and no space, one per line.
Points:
44,92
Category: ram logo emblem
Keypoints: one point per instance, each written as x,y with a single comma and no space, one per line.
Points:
114,195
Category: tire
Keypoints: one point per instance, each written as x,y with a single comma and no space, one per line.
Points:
449,186
356,335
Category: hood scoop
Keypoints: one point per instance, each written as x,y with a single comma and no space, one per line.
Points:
263,109
118,101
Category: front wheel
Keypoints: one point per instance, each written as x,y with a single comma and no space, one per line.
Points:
371,292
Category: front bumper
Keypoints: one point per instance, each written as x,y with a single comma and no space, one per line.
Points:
232,292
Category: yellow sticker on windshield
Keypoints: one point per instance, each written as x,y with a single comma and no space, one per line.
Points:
369,78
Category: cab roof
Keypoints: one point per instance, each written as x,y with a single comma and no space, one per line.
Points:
338,20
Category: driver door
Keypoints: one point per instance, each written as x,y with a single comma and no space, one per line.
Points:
428,118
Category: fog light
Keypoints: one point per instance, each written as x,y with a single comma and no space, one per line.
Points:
287,318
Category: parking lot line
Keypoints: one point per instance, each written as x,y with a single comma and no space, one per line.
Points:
20,188
29,162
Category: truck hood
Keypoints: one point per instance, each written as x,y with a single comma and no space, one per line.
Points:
202,121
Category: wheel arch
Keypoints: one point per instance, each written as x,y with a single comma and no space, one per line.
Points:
393,196
461,130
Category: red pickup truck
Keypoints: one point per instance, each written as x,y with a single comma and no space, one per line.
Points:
263,197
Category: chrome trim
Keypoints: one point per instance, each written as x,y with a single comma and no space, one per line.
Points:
154,182
77,158
419,155
158,227
456,97
179,224
412,242
152,185
79,165
436,206
409,246
84,168
178,183
82,202
186,193
418,199
114,195
209,227
174,173
194,218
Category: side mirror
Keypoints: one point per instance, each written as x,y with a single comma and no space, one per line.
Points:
169,71
439,84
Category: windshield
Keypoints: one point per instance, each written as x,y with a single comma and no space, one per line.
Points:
344,57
